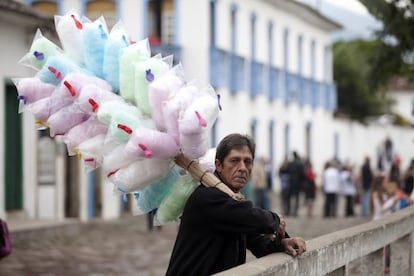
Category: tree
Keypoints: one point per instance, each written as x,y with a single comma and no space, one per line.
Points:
394,54
357,97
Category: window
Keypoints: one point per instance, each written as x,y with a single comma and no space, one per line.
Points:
161,21
105,8
46,7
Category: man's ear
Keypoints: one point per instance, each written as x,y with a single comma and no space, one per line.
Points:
218,165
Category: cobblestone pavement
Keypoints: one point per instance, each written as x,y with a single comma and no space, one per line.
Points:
125,247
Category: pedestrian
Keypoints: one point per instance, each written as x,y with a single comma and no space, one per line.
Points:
366,178
296,178
348,189
284,186
331,186
215,229
259,183
309,187
395,171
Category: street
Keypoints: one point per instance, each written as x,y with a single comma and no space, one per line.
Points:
125,246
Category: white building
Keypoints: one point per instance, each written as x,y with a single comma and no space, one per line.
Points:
270,61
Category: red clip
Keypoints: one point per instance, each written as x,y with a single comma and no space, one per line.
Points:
70,88
55,72
77,23
147,151
111,173
125,128
93,104
201,120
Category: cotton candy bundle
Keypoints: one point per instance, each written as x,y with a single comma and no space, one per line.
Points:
151,143
207,161
95,35
140,174
41,49
69,29
116,42
172,205
138,136
130,55
151,196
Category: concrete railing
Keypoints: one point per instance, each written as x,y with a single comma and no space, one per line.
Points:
353,251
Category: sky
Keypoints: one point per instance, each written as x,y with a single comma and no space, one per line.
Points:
351,14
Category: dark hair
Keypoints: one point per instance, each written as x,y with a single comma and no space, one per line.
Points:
234,141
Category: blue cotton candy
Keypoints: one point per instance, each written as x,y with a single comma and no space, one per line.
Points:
151,196
116,42
56,68
95,36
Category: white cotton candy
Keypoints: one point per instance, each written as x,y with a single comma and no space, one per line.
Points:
69,29
91,151
139,174
207,161
116,159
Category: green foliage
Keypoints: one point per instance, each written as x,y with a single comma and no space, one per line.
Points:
358,97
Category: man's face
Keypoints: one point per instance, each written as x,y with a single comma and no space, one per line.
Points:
236,168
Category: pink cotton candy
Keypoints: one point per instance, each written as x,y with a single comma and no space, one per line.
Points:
200,115
82,132
149,143
44,108
65,119
161,90
33,89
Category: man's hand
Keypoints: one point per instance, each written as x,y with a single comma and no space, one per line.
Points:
294,246
282,227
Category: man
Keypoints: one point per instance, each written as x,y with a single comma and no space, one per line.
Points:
296,171
366,180
259,183
216,230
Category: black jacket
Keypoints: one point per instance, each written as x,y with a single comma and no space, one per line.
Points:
215,231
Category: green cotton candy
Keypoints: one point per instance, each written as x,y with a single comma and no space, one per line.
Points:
150,197
129,57
122,125
109,108
42,48
145,72
173,204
